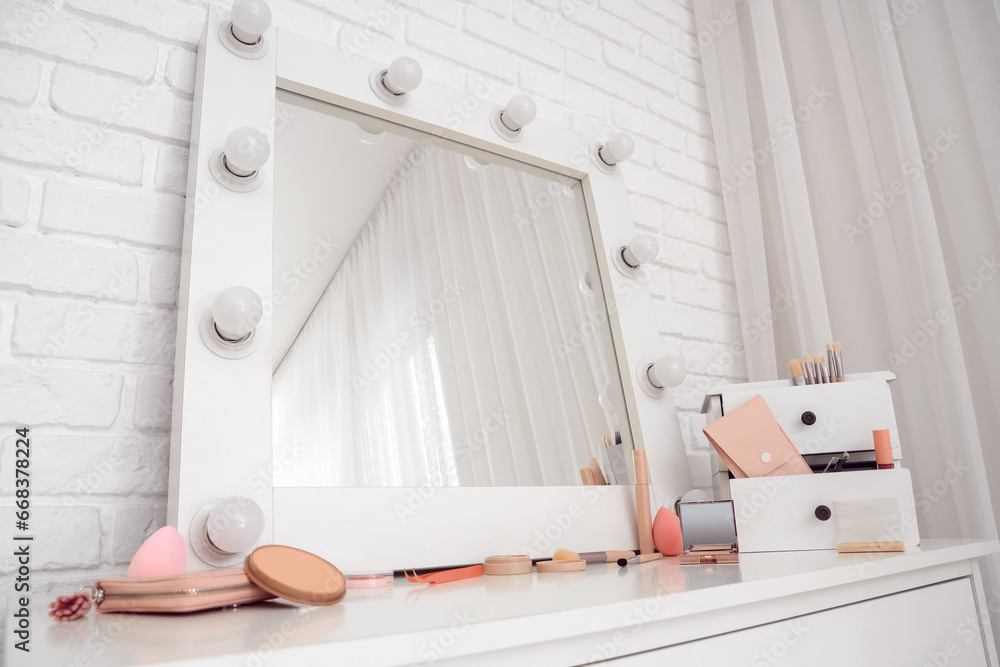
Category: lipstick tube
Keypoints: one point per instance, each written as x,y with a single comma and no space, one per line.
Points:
883,449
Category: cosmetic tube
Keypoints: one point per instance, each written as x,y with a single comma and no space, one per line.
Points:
883,449
643,515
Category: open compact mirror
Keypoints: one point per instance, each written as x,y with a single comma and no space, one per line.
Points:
405,327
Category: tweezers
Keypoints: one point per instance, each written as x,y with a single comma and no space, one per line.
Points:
445,576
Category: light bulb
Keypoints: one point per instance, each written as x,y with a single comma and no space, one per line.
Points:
644,248
234,525
668,371
618,149
246,150
520,111
606,398
236,312
403,76
251,19
694,496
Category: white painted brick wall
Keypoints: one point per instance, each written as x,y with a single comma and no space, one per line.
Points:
95,114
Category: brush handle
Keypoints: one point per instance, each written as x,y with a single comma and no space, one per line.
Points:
593,557
613,556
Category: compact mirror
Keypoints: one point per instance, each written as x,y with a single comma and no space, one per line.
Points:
435,320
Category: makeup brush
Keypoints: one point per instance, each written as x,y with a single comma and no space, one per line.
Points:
592,556
798,374
831,364
807,361
839,360
821,368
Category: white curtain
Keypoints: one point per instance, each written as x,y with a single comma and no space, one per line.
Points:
860,155
451,347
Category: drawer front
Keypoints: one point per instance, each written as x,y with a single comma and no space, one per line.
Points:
779,513
846,414
934,625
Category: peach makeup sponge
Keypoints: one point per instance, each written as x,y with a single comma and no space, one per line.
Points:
162,553
667,533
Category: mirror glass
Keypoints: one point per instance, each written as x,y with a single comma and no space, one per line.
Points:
434,313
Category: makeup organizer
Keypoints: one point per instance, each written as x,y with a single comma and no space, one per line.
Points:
823,422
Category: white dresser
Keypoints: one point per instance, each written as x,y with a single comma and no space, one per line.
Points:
793,608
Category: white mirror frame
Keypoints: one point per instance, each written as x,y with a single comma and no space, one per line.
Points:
221,434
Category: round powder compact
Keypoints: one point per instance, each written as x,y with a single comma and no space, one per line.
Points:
501,565
373,580
295,575
561,565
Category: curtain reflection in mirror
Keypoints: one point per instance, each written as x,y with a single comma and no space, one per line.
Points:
438,353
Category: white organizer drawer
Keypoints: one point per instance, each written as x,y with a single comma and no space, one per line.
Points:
934,625
779,513
845,413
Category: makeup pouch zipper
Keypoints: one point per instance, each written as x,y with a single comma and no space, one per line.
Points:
178,593
100,595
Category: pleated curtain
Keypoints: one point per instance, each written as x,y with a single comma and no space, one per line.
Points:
455,346
860,158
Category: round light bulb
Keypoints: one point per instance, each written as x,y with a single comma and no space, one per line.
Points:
235,525
403,76
236,312
644,247
669,371
251,19
606,398
246,150
618,149
694,496
520,111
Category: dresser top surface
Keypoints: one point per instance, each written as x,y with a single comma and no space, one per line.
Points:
410,620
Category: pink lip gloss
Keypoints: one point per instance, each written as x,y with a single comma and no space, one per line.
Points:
883,449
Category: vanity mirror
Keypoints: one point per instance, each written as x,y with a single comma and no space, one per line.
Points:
426,300
440,313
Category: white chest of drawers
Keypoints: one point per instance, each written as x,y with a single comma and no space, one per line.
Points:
796,608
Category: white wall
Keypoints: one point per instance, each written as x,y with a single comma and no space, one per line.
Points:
95,106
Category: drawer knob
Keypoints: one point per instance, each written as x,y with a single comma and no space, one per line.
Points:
823,513
808,417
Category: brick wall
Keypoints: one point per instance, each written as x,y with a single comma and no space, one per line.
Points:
95,115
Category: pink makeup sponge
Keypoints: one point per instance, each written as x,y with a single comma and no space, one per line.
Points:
667,533
162,553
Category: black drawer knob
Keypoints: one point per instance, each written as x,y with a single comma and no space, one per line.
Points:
823,513
808,417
